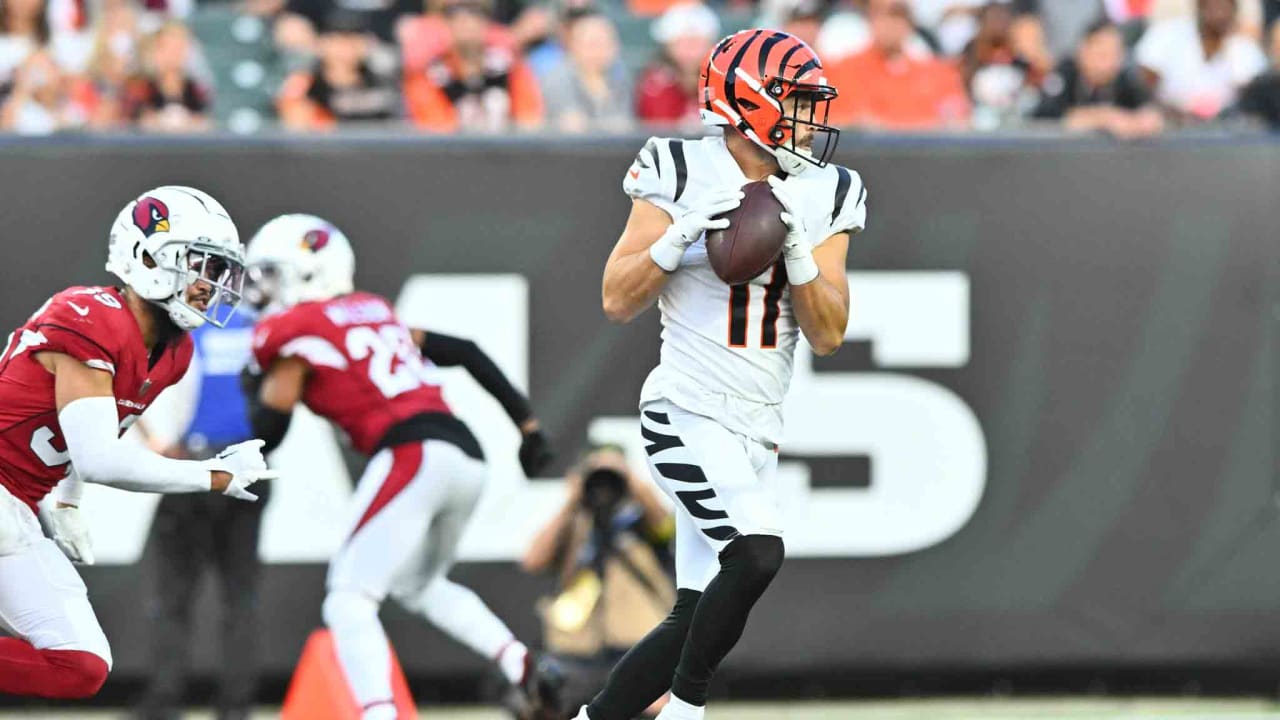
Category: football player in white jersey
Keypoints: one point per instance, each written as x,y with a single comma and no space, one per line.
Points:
711,412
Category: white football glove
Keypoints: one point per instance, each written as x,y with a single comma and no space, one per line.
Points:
70,533
797,253
685,231
246,465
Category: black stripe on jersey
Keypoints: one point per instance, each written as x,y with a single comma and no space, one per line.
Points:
660,418
842,192
782,66
862,195
652,148
658,442
813,63
765,49
681,472
723,533
692,501
682,168
730,76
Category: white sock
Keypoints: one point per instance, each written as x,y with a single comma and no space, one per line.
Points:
513,660
361,645
582,714
678,709
462,615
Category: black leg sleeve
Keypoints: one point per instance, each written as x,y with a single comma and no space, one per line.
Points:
747,566
642,675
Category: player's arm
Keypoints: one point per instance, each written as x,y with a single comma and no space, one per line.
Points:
449,351
632,277
272,396
651,248
657,233
87,414
819,284
822,304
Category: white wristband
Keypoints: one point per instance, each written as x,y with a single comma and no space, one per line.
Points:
70,491
801,269
668,250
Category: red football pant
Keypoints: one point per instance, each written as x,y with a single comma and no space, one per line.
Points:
62,674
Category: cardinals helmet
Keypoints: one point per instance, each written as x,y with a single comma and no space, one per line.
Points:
298,258
177,247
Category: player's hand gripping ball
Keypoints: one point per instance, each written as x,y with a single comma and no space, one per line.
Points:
754,239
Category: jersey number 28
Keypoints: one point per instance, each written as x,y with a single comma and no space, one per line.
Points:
395,364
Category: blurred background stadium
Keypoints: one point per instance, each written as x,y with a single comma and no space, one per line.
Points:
1040,477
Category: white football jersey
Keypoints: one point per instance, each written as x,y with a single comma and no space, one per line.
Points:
727,352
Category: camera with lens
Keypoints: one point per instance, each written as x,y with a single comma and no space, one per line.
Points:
603,490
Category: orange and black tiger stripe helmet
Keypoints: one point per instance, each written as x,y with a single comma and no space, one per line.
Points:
746,83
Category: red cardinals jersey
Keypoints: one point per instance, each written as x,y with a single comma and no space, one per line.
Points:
366,373
94,326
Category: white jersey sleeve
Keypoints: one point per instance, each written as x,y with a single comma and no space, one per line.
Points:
659,175
848,206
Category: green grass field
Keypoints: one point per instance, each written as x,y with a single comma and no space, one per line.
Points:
943,709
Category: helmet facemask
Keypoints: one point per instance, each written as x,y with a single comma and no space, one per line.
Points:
208,282
802,137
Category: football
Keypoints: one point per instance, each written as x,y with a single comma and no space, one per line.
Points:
753,241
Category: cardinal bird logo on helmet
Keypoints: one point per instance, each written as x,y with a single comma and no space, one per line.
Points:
151,216
315,240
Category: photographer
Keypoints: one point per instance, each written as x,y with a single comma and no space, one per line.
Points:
609,549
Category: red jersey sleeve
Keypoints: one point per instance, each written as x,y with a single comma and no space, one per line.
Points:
86,323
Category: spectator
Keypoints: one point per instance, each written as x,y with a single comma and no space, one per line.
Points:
166,97
1001,79
24,29
549,53
1249,13
346,84
1261,99
1052,29
40,102
112,61
591,91
609,549
1096,92
1197,66
846,32
203,415
298,26
476,85
888,86
667,93
424,38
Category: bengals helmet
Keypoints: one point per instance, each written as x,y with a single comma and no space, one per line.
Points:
746,84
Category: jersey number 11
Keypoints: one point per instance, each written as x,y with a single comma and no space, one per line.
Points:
740,310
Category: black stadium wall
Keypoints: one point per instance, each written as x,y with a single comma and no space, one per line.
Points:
1111,380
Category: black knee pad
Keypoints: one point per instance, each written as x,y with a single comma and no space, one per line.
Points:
756,558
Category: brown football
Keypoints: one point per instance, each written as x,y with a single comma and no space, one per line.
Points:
754,239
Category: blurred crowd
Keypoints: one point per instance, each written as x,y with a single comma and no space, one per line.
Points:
1128,68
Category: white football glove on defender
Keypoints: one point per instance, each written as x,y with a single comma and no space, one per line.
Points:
685,231
246,465
797,253
67,528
